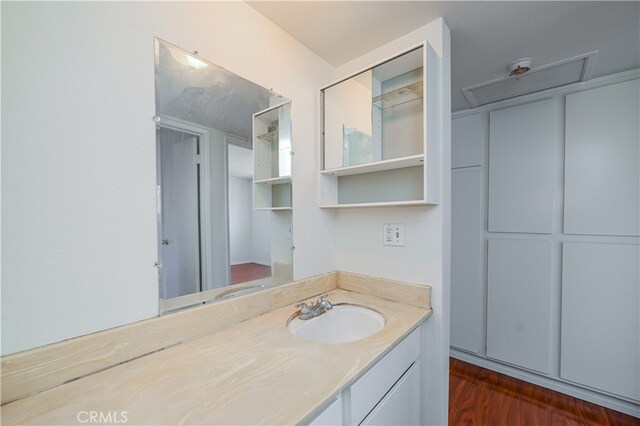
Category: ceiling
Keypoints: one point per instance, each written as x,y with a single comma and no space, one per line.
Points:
485,36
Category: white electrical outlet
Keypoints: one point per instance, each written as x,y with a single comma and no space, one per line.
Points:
393,234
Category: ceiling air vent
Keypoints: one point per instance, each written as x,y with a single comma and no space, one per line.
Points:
567,71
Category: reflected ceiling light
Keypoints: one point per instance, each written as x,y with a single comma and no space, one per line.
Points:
519,67
194,62
187,59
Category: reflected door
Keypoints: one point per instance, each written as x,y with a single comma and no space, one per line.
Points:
180,222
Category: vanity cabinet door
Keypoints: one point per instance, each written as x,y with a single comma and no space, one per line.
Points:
372,387
332,415
401,405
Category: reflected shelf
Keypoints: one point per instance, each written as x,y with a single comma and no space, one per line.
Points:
269,137
394,163
399,96
377,204
281,180
274,208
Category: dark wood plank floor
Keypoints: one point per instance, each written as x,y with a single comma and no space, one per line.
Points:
482,397
248,272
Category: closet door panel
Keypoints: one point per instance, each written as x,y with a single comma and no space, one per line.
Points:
521,168
602,161
468,137
466,258
518,302
600,344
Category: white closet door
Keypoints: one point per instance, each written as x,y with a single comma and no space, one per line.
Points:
602,157
521,168
467,242
600,345
518,308
468,136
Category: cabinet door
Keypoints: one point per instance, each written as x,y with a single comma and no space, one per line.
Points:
518,302
600,317
468,137
332,415
372,387
466,258
401,406
521,168
602,163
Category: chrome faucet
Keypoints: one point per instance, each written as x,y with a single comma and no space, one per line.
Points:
320,307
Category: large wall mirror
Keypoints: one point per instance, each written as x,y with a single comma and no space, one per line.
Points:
223,182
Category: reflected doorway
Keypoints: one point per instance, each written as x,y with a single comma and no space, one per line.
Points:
181,225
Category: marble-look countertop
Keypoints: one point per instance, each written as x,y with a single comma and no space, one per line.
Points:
254,372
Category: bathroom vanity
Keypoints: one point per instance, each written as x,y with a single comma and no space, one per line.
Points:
251,370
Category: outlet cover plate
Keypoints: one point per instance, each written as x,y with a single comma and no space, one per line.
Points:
393,234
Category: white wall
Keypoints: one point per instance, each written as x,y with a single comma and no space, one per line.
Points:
425,257
78,153
240,210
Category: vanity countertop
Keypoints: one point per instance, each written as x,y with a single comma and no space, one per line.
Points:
254,372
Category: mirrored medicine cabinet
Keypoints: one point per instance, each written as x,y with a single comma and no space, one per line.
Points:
375,133
224,184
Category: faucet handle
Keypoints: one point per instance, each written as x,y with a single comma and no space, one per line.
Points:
324,303
304,309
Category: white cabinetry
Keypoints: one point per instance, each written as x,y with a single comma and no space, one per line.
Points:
272,158
387,394
601,317
468,140
330,416
381,134
560,309
467,244
401,406
518,302
521,168
602,150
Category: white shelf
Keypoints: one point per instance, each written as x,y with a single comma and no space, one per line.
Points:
399,96
394,163
380,204
270,136
274,208
282,180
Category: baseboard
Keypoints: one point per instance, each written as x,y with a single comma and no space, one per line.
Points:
607,401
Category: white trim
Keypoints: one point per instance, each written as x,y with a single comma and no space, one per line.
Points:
556,384
561,90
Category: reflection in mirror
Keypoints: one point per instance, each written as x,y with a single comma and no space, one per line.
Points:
214,239
375,115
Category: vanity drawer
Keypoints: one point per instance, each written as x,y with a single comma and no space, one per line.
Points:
373,386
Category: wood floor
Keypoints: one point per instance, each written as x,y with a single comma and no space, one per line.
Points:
248,272
482,397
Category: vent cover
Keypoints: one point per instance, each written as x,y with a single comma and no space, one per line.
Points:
560,73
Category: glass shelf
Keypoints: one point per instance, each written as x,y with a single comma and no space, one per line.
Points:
376,166
399,96
281,180
269,137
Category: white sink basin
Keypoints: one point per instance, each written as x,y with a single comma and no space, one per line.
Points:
343,323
